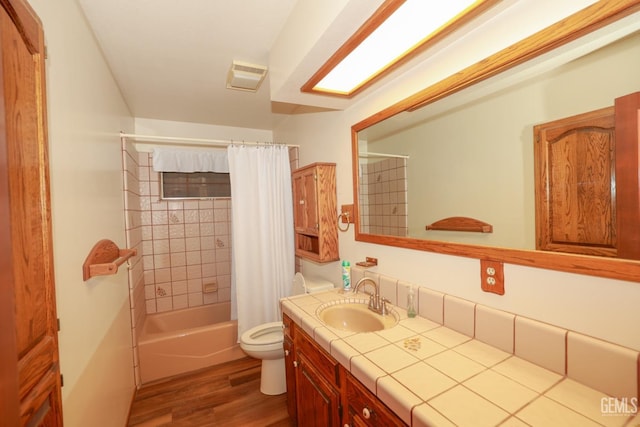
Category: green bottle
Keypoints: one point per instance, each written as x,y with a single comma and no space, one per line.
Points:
346,276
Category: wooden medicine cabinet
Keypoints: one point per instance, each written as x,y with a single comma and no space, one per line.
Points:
315,212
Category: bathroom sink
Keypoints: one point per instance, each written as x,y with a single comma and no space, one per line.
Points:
355,317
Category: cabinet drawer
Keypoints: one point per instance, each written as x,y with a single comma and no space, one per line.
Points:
366,409
320,360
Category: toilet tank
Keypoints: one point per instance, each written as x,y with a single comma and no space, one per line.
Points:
309,284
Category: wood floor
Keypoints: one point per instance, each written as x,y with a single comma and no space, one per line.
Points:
224,395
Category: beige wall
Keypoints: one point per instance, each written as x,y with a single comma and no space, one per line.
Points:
86,113
603,308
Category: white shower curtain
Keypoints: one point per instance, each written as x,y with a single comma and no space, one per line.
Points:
262,233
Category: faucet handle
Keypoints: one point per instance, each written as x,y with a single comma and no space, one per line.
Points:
372,301
383,306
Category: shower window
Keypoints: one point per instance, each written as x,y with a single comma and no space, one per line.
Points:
196,185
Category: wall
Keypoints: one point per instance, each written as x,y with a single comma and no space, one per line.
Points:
196,130
603,308
186,244
85,114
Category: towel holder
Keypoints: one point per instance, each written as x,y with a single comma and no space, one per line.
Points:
104,259
346,217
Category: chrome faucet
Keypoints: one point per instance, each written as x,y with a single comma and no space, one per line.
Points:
376,302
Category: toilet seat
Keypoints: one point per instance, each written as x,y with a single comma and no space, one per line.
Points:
265,341
263,335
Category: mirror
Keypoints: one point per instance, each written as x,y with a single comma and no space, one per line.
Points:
433,157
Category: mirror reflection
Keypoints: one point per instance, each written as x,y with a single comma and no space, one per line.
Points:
471,154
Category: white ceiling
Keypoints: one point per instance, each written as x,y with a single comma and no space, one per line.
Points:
171,58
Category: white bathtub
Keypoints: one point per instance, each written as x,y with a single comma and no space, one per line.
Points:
185,340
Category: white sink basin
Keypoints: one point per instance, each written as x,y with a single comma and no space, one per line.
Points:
355,317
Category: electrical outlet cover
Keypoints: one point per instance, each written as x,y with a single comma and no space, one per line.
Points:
492,282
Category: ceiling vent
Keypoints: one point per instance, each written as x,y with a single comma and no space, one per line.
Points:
245,76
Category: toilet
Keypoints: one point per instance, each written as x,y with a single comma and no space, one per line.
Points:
265,341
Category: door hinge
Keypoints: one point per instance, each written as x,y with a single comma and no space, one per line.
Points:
61,380
58,323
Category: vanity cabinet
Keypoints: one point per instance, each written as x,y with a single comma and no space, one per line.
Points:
364,408
325,394
317,385
315,212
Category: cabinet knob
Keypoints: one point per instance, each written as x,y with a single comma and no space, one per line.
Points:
286,352
295,363
366,413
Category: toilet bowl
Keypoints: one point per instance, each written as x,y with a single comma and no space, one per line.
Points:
265,341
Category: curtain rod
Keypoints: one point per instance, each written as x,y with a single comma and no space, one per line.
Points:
193,141
395,156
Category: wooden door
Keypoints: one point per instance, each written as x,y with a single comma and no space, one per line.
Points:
575,184
30,373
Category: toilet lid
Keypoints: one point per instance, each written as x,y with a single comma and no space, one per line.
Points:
267,333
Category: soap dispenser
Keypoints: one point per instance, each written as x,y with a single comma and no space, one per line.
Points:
411,306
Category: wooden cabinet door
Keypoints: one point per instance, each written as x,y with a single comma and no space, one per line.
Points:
628,175
306,204
290,371
30,374
318,402
575,184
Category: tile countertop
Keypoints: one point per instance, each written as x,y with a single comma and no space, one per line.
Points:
431,375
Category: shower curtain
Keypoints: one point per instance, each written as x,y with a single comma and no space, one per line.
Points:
262,232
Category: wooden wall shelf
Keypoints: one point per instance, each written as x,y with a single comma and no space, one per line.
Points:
104,259
461,223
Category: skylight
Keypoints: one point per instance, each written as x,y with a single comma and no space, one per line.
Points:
395,31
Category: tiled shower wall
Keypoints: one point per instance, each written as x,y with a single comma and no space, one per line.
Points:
383,197
134,241
294,163
186,247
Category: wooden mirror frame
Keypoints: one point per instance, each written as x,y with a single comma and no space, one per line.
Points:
569,29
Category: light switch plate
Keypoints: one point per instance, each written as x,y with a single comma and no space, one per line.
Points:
492,276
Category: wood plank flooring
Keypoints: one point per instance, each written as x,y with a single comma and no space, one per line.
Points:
223,395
